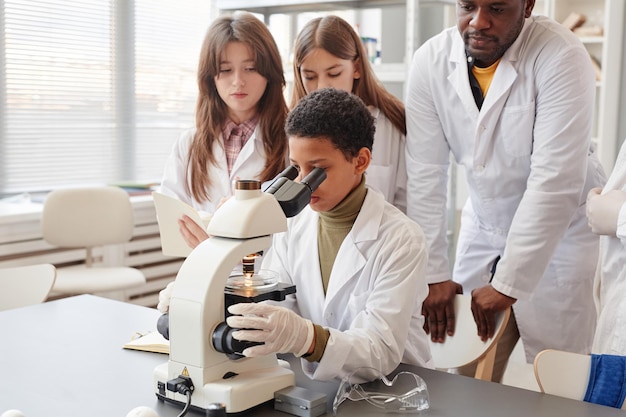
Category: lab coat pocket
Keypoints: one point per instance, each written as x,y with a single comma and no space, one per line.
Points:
516,129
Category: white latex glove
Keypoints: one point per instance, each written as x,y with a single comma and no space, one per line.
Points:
282,330
603,210
164,298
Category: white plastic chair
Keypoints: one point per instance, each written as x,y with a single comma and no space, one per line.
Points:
86,218
466,347
564,374
22,286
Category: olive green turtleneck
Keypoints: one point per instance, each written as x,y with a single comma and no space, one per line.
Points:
334,226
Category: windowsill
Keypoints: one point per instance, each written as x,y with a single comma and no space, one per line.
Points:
26,211
19,212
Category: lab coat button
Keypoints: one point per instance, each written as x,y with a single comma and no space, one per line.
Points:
479,168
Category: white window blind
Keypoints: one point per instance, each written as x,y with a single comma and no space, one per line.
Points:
168,38
94,91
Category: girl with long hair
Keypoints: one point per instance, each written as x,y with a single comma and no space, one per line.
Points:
240,119
329,53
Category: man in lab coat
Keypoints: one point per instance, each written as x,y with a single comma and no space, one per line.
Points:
511,95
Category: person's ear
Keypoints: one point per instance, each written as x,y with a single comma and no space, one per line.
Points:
357,69
362,160
528,10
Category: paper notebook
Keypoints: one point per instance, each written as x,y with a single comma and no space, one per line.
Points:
169,210
149,342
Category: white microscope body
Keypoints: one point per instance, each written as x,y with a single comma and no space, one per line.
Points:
242,226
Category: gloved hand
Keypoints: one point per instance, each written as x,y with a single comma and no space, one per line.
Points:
282,330
164,298
603,210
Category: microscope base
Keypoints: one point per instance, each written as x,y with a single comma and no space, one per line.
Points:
238,393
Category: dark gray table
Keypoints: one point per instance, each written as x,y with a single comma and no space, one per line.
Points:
64,358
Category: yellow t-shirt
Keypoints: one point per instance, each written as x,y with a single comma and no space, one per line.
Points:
485,75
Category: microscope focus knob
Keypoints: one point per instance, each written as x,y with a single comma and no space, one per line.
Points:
224,342
163,325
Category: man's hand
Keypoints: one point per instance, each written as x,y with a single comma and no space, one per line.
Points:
486,303
191,231
438,309
603,210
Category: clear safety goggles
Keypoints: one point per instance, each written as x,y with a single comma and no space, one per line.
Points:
405,393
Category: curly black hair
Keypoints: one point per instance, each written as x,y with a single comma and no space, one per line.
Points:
336,115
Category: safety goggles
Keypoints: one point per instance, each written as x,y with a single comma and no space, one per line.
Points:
405,393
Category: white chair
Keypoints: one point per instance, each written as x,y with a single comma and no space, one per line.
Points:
466,347
22,286
564,374
87,218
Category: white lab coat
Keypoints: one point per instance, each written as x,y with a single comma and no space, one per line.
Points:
529,164
387,170
610,283
248,165
373,302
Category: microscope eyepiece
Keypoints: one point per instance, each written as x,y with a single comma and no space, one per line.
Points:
289,173
314,179
294,196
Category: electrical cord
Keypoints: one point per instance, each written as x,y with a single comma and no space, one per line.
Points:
182,385
186,409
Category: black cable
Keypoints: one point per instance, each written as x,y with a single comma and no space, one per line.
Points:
182,385
184,412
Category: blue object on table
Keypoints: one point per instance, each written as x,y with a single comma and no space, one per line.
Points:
607,380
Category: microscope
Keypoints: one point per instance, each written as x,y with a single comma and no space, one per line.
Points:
205,365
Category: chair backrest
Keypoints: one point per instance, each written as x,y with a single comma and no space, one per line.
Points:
565,374
25,285
466,347
562,373
87,217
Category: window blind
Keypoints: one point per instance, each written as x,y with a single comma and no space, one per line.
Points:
94,91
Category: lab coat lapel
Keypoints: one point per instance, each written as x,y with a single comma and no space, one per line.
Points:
348,264
350,260
459,79
246,153
503,79
219,170
499,90
492,107
496,98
